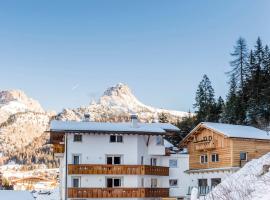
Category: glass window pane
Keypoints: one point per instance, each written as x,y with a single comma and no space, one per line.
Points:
109,160
117,160
119,138
112,138
173,163
109,182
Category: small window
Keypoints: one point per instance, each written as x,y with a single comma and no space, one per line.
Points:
153,182
142,182
173,182
215,157
153,162
203,159
159,140
76,159
75,182
77,138
142,160
116,138
113,160
243,156
113,182
173,163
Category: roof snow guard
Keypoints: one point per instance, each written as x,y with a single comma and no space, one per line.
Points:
103,127
229,130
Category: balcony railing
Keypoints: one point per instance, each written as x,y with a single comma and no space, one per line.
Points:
117,192
203,190
58,148
206,145
118,169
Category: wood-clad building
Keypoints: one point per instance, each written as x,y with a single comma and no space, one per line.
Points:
222,148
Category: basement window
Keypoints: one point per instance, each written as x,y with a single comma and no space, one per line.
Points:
203,159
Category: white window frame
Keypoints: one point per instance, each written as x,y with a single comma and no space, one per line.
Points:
113,156
80,158
117,177
77,140
154,182
170,160
204,156
116,139
244,153
173,179
153,161
79,182
215,157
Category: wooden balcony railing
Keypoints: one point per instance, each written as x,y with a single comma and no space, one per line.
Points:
118,169
117,192
58,148
206,145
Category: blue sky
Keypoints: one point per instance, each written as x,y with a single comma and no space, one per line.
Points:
64,53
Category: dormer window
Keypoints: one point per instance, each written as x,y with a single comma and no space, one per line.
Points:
116,138
77,138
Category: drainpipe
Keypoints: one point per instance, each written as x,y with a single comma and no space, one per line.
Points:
66,149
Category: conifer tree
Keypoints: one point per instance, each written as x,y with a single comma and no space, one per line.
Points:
205,102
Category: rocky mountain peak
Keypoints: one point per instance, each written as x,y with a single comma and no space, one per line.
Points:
18,100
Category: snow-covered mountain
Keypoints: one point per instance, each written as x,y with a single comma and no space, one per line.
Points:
22,120
15,101
116,104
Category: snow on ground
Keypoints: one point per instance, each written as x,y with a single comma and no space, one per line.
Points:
47,195
252,182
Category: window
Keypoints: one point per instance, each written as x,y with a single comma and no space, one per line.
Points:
113,182
116,138
202,182
173,182
203,159
215,157
142,160
142,182
159,140
77,138
114,159
215,181
76,159
153,162
173,163
75,182
153,182
243,156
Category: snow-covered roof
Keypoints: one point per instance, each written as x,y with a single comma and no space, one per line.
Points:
161,128
15,195
238,131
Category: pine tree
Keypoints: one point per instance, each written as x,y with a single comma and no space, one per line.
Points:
205,102
239,64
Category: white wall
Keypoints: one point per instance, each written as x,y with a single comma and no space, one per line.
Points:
179,174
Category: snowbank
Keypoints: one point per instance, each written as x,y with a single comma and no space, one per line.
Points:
252,182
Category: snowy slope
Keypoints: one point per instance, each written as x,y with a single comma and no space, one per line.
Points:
116,104
249,183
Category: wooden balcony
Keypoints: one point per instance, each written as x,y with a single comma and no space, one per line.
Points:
58,148
117,192
118,169
56,138
205,145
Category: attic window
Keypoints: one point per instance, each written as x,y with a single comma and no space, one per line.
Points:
77,138
116,138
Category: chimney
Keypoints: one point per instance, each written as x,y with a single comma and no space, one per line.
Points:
134,121
87,117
